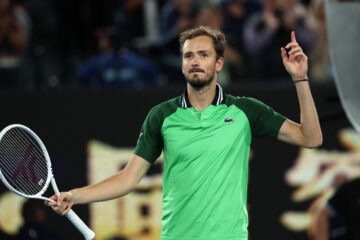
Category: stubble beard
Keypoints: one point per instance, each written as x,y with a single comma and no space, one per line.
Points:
199,84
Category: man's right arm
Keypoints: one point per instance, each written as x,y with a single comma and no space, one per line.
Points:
115,186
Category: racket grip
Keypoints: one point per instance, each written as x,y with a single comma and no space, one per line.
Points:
80,225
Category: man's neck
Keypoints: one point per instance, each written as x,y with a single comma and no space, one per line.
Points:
201,98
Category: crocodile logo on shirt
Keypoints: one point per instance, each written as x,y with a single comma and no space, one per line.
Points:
228,120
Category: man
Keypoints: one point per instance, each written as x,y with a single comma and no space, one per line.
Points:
205,136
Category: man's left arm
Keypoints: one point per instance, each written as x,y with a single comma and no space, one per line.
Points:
308,132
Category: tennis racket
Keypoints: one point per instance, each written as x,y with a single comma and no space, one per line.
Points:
25,168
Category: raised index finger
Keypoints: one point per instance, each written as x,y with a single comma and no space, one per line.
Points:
293,39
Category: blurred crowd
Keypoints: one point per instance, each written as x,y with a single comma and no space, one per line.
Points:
134,43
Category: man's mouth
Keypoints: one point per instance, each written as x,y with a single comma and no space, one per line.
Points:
196,70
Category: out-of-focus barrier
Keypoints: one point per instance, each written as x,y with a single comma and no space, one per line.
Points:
343,30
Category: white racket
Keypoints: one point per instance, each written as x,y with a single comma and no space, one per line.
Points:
25,168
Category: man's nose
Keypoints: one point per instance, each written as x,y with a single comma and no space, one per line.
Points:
194,62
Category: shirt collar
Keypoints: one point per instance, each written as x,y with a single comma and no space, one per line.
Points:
219,97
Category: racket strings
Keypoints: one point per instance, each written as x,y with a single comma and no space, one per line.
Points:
38,151
22,162
5,169
21,168
17,152
24,141
13,167
30,141
8,166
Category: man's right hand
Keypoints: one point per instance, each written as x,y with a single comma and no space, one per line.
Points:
113,187
62,204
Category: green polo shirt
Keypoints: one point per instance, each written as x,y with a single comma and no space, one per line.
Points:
206,156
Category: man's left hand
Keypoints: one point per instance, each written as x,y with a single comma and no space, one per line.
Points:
297,62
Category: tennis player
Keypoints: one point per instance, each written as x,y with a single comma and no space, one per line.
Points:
205,136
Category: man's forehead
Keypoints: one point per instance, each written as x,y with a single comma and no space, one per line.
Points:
200,43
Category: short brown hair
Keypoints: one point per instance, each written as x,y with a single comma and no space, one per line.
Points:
217,36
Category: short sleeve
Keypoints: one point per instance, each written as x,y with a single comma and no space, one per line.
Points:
264,121
150,143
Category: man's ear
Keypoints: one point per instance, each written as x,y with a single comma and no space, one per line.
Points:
219,64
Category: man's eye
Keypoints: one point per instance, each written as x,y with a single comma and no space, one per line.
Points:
187,56
204,55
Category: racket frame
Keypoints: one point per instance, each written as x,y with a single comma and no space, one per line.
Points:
50,175
71,215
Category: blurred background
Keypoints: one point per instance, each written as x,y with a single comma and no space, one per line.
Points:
134,43
84,74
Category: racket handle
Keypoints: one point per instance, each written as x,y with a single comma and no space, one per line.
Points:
80,225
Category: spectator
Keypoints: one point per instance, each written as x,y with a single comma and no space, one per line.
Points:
235,14
266,32
320,67
12,43
129,17
176,16
212,16
34,226
116,64
43,62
